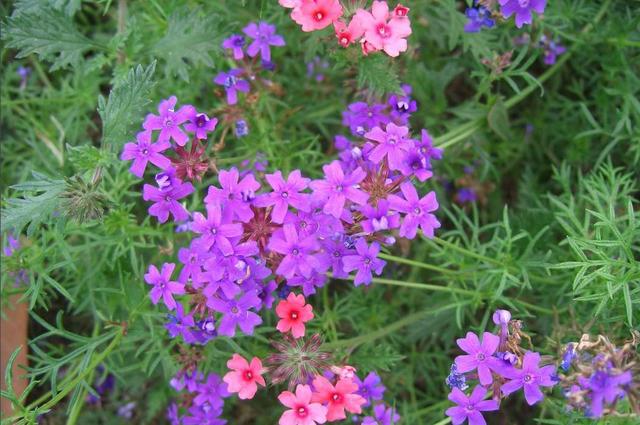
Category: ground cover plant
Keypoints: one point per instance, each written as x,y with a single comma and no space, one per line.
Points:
314,211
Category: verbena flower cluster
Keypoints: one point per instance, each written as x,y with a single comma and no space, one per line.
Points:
497,366
484,13
377,29
598,375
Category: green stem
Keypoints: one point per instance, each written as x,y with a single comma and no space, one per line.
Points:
67,387
414,263
372,336
444,421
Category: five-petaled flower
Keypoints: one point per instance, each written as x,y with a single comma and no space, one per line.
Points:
479,356
470,407
169,121
301,410
531,377
143,152
163,286
337,398
244,377
293,313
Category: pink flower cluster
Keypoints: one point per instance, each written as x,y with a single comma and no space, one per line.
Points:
379,29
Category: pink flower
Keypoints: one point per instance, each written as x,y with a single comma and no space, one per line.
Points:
338,398
293,313
289,3
316,14
384,31
302,411
244,377
348,34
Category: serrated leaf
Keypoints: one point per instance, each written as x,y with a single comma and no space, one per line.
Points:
377,74
499,120
69,7
49,33
125,105
33,208
188,41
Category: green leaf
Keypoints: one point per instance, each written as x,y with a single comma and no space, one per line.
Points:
377,74
188,41
125,105
69,7
499,120
33,208
49,33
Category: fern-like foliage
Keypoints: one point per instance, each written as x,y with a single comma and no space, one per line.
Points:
42,197
125,105
377,74
187,42
47,32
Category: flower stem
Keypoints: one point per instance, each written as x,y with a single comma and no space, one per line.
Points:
414,263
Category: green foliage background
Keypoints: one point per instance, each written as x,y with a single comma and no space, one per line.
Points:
557,241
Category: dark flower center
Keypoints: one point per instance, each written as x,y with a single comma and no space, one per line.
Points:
336,397
480,357
201,120
284,194
230,81
383,30
168,122
528,378
145,151
301,411
234,310
417,210
295,251
248,375
367,261
294,315
319,15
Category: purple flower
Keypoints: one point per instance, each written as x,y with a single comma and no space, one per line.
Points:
214,230
315,67
166,201
418,211
392,143
568,356
235,43
167,179
455,379
172,414
402,106
235,196
479,356
200,124
466,195
309,284
180,324
285,193
552,50
531,377
364,261
241,128
12,245
379,218
425,145
371,388
163,286
469,408
417,164
332,255
232,84
126,410
383,415
298,253
192,258
204,414
212,391
237,313
265,292
264,36
604,387
502,318
169,120
522,9
23,72
143,151
478,17
360,117
336,188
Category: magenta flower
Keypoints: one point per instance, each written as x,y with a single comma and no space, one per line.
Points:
298,253
379,218
211,392
237,313
522,9
531,377
143,151
364,261
169,120
469,408
200,124
235,43
235,196
232,84
479,356
336,188
392,144
417,211
384,31
285,193
264,36
163,286
166,201
214,230
192,258
332,256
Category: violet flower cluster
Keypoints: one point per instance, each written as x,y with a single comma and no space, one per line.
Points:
372,390
483,14
496,366
203,399
598,376
249,243
251,52
17,273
